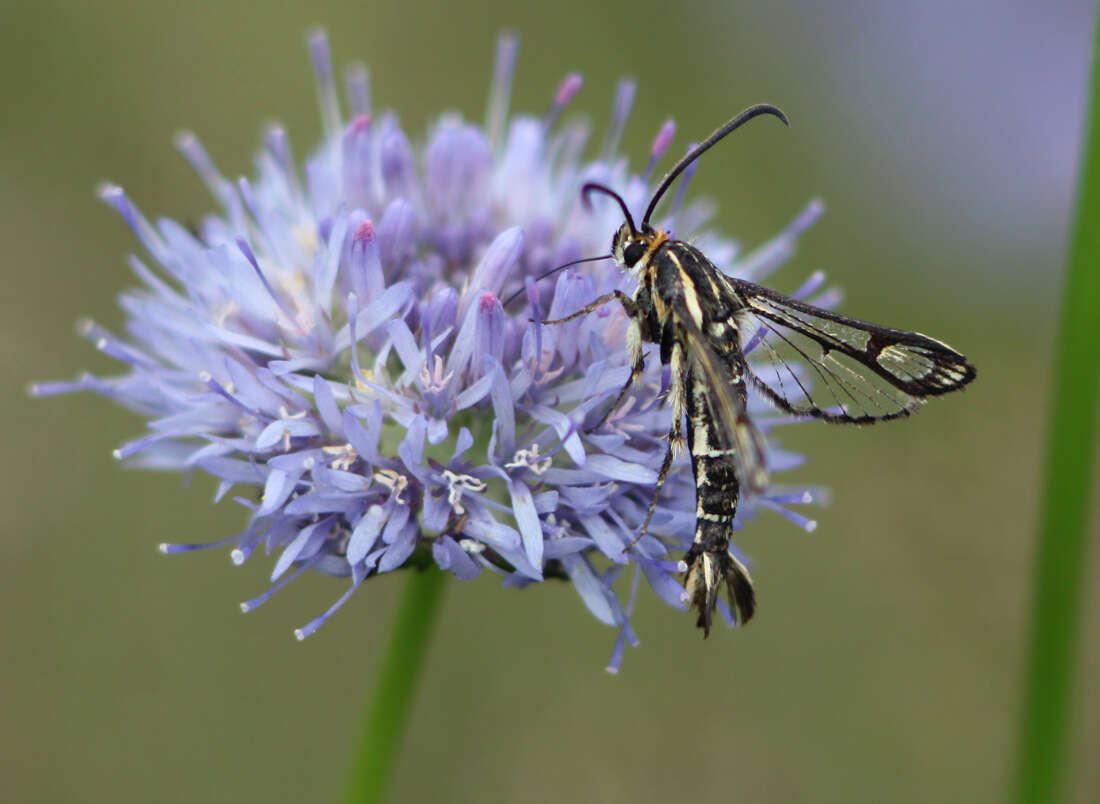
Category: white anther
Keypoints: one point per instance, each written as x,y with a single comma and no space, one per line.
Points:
345,456
394,481
284,414
435,380
529,459
456,484
222,314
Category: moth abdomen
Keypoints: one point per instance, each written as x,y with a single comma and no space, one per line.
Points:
710,565
718,491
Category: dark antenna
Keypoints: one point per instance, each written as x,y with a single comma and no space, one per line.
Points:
553,271
592,186
695,153
698,150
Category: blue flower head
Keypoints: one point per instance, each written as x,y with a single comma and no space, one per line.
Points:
333,345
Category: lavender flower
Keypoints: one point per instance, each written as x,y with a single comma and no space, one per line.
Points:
334,342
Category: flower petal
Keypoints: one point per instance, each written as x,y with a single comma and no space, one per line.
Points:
449,556
589,587
365,534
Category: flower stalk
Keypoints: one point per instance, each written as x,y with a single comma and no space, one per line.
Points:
390,702
1061,558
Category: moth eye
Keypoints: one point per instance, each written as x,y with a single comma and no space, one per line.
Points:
633,253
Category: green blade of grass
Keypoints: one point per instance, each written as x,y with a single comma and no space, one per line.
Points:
391,699
1063,522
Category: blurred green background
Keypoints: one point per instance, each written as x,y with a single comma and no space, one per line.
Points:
885,663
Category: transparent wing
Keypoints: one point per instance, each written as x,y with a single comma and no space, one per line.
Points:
813,362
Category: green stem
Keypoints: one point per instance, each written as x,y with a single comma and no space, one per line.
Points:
389,704
1062,537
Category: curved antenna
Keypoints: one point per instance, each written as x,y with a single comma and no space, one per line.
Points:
595,187
713,139
553,271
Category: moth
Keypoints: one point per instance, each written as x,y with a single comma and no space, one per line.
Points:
814,364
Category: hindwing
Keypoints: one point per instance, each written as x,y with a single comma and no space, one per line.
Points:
814,362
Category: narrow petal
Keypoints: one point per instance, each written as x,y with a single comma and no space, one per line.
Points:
527,519
326,406
499,261
365,534
449,556
304,545
589,587
400,550
307,630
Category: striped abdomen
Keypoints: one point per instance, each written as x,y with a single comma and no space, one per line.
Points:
717,492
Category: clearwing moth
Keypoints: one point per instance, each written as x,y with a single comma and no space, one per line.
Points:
816,364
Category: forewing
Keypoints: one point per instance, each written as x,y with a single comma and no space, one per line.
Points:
814,362
734,428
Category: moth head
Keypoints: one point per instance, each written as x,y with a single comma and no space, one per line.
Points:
628,246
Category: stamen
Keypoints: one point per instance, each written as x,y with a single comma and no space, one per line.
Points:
357,84
122,352
248,542
246,250
626,634
500,90
357,578
394,481
326,87
829,299
240,554
171,548
803,497
279,145
259,600
803,522
149,237
438,379
353,314
773,253
529,459
620,111
660,145
207,379
681,191
220,187
813,282
134,447
568,88
807,217
45,389
346,456
456,484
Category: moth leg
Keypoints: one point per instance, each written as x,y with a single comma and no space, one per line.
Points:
675,438
626,301
674,445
